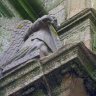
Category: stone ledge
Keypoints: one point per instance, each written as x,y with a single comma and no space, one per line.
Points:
86,13
28,73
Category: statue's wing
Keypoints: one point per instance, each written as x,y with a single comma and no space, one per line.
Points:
17,40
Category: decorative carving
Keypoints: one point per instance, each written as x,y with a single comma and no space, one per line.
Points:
77,34
30,41
60,60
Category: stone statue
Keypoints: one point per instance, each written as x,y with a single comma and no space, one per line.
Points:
33,42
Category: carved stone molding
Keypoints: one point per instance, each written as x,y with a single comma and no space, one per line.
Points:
33,71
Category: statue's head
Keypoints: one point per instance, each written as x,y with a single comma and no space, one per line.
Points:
54,21
50,19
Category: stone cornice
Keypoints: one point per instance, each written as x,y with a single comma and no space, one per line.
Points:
84,14
34,70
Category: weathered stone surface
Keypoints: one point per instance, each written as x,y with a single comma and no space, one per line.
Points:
28,74
75,6
79,33
59,11
71,56
31,41
72,86
6,28
79,29
93,3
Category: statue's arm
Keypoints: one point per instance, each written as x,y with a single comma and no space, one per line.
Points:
35,27
42,22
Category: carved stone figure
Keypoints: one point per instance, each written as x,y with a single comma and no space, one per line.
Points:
34,41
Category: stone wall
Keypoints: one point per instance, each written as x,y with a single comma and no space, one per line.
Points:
75,6
9,18
56,8
6,28
77,34
61,9
65,9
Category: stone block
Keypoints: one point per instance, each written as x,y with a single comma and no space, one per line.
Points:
75,6
82,28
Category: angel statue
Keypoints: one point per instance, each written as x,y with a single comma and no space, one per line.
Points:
30,41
